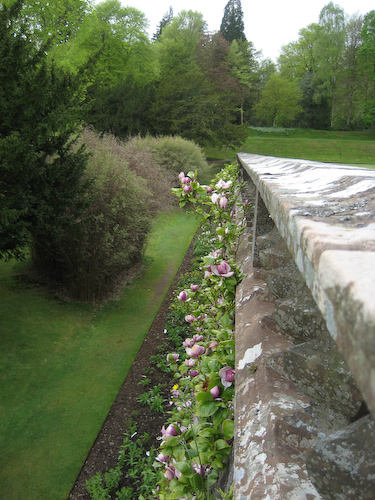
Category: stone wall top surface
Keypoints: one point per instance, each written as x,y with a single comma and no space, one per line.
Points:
326,215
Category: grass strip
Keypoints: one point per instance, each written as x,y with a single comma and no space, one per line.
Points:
349,148
62,364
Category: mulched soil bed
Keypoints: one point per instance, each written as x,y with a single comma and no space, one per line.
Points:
104,453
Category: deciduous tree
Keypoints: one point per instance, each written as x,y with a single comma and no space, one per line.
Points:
367,55
279,104
329,48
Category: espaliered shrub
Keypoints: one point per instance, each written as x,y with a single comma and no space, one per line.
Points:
196,439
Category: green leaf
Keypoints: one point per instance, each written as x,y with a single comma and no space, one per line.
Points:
204,368
225,321
172,442
228,429
219,416
212,478
179,491
179,453
214,365
208,260
203,396
197,482
221,444
208,432
207,409
185,467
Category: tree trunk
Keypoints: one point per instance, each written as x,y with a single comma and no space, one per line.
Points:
333,101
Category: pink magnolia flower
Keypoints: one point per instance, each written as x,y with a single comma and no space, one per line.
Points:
214,198
193,373
209,189
168,432
199,469
182,296
222,269
190,318
223,184
172,357
197,338
215,391
195,351
171,472
188,343
190,362
223,203
162,458
186,180
227,376
187,188
213,344
181,175
194,288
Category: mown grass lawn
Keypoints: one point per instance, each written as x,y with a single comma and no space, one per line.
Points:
351,148
62,364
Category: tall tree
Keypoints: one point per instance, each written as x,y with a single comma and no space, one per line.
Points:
243,66
166,20
114,38
232,25
298,62
279,104
367,55
175,50
329,48
40,174
298,58
350,75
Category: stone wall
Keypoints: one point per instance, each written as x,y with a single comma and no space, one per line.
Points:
305,333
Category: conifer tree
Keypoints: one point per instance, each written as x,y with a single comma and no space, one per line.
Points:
166,20
232,25
40,174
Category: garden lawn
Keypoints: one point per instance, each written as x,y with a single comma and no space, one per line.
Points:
350,148
62,364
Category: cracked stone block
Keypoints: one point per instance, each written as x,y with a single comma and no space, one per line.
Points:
271,239
301,428
285,281
342,466
319,370
271,258
264,225
300,317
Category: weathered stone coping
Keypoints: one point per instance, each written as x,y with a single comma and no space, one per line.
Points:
326,215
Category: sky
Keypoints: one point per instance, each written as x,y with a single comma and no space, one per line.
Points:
269,24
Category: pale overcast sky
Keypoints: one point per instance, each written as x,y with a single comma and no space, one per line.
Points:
269,24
